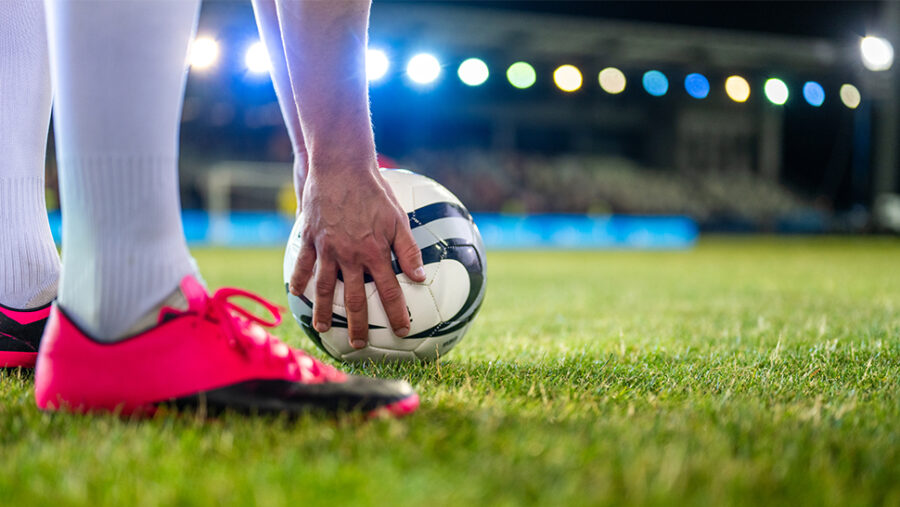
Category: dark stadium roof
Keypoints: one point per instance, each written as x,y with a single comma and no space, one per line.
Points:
829,19
537,36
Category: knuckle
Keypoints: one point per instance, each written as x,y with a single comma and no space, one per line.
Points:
355,303
324,286
322,307
391,294
410,251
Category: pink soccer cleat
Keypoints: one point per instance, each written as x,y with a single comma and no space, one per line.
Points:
20,335
215,355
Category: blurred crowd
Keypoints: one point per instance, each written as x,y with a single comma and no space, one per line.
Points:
520,183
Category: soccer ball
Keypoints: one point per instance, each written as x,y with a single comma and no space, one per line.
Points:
441,309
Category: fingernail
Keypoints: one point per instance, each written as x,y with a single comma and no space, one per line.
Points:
403,331
358,344
419,272
321,327
294,290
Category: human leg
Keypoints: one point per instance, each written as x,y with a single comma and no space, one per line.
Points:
29,263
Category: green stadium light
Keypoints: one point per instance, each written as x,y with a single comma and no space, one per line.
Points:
521,75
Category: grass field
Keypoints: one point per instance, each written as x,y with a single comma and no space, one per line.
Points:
746,371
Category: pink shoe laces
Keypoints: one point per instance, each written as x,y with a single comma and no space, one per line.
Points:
245,332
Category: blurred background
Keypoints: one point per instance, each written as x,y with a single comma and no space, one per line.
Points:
580,124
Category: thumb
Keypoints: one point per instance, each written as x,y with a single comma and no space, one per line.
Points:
408,254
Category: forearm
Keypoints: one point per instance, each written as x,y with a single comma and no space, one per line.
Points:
325,46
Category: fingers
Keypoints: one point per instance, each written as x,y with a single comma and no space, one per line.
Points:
303,269
391,298
326,279
408,254
357,306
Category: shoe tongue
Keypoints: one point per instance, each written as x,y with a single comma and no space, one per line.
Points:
190,297
195,294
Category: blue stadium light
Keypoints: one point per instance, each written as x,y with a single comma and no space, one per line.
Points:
655,82
423,68
377,64
257,58
696,85
473,72
814,93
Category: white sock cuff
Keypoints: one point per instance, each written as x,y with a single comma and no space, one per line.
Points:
29,262
122,225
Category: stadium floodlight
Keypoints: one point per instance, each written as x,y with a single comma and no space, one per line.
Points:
813,93
776,91
567,78
473,72
612,80
850,96
204,53
377,64
423,68
655,83
877,53
521,75
696,85
737,88
257,58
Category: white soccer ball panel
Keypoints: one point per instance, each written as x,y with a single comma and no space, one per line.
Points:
424,237
450,288
386,339
403,192
429,192
333,345
423,311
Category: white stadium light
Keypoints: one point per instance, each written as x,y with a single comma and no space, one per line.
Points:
377,64
877,53
612,80
567,78
473,72
776,91
850,96
204,53
423,68
257,58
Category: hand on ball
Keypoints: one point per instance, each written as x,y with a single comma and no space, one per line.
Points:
351,223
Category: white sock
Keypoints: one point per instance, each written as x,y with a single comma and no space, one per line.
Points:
119,72
29,264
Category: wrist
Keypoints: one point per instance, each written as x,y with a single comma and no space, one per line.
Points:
342,161
344,168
